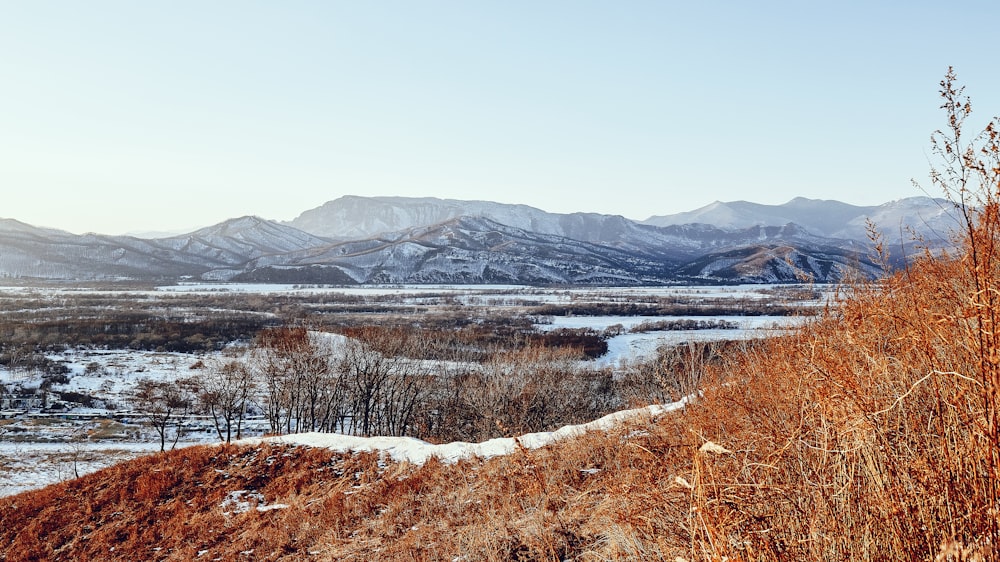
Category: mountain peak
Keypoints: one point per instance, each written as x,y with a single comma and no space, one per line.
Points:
14,225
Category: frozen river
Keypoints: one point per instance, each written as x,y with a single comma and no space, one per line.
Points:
630,347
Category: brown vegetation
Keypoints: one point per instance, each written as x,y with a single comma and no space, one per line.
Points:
375,384
873,433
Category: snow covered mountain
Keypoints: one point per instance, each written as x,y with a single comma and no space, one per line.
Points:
469,250
480,250
27,251
237,240
357,218
397,240
931,217
777,263
934,219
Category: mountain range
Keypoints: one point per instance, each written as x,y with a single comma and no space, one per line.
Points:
355,239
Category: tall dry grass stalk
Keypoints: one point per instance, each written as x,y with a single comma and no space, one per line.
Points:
873,433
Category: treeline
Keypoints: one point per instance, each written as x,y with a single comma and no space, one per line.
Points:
682,324
119,330
40,321
477,342
47,320
51,321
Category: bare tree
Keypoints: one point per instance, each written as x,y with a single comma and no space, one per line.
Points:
162,404
300,390
531,389
225,393
272,359
385,384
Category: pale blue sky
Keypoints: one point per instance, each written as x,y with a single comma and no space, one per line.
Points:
125,116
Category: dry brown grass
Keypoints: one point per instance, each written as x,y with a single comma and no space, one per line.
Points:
533,505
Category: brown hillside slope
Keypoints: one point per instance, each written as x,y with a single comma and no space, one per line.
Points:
545,504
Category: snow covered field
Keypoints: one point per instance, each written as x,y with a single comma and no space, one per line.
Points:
27,466
110,374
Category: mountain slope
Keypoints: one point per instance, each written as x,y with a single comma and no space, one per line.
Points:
934,219
359,218
818,216
355,218
484,242
824,218
237,240
45,253
474,250
27,251
480,250
603,249
779,264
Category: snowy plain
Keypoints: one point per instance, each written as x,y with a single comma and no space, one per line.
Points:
27,466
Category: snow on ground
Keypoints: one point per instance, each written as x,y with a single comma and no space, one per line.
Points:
7,376
364,290
642,346
27,466
475,294
628,322
242,501
111,375
416,451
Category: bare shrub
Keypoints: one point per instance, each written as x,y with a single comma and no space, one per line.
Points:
532,389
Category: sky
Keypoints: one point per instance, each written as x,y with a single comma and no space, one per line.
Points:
123,116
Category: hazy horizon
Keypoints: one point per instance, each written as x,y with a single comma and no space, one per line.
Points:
126,117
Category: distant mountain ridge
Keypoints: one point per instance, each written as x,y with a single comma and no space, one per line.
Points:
829,218
480,250
426,240
353,218
236,240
